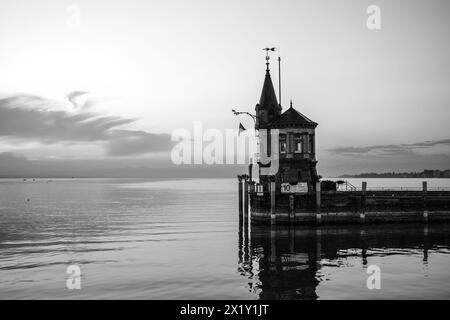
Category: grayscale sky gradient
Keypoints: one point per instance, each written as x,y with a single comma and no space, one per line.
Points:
110,92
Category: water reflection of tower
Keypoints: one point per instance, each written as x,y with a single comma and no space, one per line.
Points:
276,266
287,269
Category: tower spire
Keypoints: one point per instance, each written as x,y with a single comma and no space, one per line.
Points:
268,108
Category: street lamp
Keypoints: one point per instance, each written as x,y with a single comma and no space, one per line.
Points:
236,113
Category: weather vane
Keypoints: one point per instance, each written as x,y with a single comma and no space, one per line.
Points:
267,55
269,49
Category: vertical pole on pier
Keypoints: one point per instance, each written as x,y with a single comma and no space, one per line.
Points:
292,208
245,199
273,244
425,210
240,198
318,248
272,203
362,234
250,170
245,215
291,239
318,203
241,230
362,214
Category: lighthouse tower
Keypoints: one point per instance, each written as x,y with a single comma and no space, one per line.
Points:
296,139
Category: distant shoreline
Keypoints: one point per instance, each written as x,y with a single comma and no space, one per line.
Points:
430,174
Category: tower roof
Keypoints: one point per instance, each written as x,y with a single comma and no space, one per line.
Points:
268,96
293,118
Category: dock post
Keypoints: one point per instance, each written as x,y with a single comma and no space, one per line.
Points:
318,203
292,208
240,198
272,203
362,214
318,257
246,199
241,229
425,210
250,170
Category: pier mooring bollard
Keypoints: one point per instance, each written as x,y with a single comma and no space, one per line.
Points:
240,198
318,203
425,209
362,214
272,203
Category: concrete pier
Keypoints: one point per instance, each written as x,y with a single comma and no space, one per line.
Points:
363,205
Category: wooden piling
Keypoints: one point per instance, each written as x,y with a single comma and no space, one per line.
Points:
318,258
246,200
240,239
425,209
318,203
240,198
292,208
272,203
362,213
273,244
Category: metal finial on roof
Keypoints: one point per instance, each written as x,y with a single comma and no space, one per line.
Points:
291,103
268,57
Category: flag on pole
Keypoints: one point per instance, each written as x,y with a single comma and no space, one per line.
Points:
241,128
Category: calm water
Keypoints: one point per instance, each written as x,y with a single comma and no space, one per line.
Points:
180,239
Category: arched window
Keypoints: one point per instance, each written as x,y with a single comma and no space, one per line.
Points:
298,144
271,115
283,145
311,143
306,143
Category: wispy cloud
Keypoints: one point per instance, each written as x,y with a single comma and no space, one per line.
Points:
390,149
31,118
130,142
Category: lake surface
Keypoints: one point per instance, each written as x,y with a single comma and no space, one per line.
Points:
149,239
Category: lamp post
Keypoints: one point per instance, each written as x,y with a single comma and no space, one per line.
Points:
236,113
254,118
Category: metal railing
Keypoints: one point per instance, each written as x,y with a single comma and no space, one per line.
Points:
345,186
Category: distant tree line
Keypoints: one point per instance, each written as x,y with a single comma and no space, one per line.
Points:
423,174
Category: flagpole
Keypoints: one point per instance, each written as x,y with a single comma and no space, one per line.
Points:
279,75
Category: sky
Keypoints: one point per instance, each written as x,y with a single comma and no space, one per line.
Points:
103,84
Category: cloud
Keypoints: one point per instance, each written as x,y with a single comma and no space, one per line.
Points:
13,165
127,142
30,118
10,158
389,150
82,100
